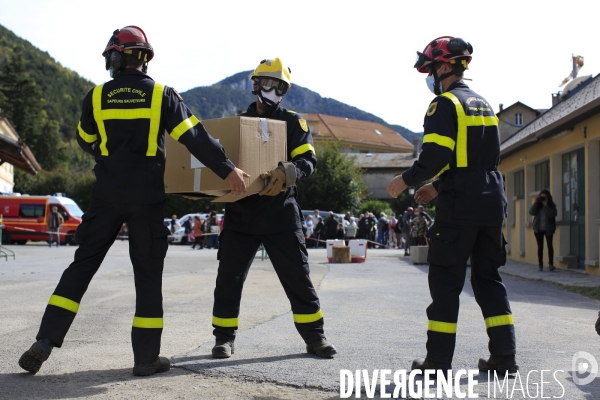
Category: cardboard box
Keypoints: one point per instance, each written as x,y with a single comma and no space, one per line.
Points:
254,145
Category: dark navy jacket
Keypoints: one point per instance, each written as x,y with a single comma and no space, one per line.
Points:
123,124
461,143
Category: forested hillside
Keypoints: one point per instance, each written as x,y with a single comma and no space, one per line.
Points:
62,89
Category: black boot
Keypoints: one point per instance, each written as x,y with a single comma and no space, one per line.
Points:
551,267
321,348
427,364
541,267
32,360
223,349
500,364
162,364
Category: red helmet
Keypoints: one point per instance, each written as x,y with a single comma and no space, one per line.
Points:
444,49
130,37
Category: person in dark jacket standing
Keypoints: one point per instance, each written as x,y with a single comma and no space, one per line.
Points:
272,218
331,226
123,124
319,232
544,225
461,145
187,229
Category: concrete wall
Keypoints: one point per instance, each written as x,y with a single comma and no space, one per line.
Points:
377,182
518,228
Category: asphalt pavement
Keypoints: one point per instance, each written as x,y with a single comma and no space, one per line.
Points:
374,314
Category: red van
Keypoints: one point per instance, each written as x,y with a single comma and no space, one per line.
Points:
24,218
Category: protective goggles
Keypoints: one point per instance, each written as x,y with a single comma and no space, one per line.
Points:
268,84
421,60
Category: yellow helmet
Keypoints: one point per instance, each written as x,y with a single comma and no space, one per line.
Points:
273,68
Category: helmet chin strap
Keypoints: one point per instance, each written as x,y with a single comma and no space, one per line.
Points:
437,86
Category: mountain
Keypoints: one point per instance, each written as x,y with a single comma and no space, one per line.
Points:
233,95
63,90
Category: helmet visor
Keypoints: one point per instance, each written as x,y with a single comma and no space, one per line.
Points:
268,84
421,60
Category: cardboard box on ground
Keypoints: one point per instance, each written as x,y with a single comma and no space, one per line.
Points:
254,145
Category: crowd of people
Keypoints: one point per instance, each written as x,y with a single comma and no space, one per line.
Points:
200,232
400,233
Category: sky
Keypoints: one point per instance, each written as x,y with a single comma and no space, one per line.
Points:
358,52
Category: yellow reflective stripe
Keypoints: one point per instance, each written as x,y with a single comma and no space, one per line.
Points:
63,302
86,136
481,120
157,96
446,168
461,136
184,126
499,320
308,318
443,327
97,107
440,140
140,322
225,322
302,149
133,113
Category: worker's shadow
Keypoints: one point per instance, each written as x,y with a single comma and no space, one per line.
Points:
205,361
80,384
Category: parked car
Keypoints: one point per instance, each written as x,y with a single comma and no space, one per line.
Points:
25,218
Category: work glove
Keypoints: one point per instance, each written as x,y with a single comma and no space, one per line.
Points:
280,179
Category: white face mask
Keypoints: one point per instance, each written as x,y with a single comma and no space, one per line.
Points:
271,96
430,81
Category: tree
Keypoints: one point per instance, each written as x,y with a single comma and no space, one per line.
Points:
376,207
22,103
336,185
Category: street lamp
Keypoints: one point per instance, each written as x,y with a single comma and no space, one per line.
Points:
411,194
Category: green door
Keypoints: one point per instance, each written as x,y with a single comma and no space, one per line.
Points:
574,202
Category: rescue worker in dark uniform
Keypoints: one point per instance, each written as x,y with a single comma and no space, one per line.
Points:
273,218
461,144
123,125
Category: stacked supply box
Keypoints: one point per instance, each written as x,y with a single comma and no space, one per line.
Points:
254,145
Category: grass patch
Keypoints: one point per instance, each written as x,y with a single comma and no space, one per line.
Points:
591,292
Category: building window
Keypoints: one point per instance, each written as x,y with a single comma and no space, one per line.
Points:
519,119
542,176
520,184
